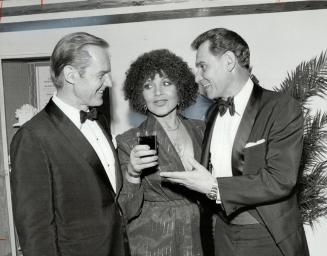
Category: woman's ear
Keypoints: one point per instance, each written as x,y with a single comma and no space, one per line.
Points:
230,60
70,74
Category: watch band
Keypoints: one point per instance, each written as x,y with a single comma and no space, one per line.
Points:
212,195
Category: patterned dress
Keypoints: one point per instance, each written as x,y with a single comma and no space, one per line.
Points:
163,218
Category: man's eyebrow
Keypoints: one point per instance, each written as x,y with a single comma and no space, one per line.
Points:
199,63
103,72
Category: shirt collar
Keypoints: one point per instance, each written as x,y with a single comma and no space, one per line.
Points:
242,98
71,112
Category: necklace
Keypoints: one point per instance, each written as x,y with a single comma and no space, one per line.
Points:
172,129
176,138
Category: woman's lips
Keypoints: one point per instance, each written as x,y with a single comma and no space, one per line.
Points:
160,102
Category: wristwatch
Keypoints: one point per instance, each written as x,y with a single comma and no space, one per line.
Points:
212,195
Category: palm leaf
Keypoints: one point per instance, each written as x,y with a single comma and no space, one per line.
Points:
313,184
314,139
310,80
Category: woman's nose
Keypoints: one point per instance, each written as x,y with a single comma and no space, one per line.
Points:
157,89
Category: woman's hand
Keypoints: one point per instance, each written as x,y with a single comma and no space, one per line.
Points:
141,157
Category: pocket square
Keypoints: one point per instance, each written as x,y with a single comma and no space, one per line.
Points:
252,144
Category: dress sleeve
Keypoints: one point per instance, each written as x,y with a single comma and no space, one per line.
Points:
131,196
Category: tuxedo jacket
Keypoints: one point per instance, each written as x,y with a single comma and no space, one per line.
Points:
63,201
265,162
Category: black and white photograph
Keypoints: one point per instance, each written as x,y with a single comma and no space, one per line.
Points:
163,127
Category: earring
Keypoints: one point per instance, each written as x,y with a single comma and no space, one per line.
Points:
145,108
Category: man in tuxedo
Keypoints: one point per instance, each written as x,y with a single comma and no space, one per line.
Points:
65,172
251,154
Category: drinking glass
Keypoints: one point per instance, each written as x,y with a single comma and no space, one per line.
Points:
148,138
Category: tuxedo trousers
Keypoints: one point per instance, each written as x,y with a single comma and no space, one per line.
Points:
243,240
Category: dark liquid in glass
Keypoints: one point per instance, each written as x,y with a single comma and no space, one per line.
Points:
150,140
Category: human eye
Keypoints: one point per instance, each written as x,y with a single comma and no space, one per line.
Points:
167,82
203,66
147,86
101,75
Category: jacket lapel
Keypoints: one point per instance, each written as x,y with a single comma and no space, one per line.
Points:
151,125
211,117
196,139
244,130
77,140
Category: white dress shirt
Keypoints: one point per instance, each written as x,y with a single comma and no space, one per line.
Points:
94,135
225,129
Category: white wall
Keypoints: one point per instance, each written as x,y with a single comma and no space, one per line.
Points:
278,42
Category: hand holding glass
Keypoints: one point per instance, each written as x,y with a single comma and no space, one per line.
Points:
149,139
144,155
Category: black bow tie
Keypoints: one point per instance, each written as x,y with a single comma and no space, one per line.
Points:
223,105
91,115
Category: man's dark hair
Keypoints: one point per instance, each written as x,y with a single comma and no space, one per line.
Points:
70,51
222,40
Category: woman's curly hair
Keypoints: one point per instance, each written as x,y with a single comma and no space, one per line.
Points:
162,62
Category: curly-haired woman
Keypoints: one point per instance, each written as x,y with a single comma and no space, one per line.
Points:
163,218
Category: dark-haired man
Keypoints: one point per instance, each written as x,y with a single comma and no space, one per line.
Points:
65,173
252,148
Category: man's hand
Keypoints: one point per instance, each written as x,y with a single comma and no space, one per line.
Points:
199,179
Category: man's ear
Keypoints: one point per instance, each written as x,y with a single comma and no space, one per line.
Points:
230,60
71,74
